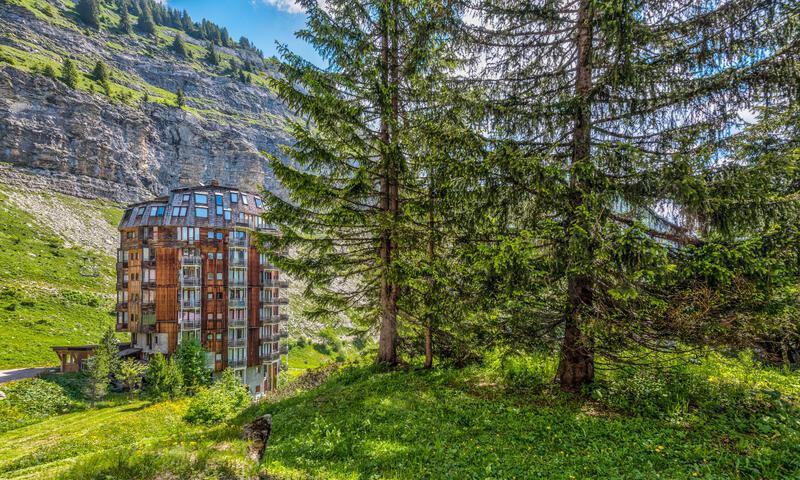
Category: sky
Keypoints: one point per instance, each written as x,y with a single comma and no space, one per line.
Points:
262,21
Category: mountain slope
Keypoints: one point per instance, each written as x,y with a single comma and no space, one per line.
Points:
44,300
135,142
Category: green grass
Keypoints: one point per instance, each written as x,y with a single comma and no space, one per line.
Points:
475,423
44,301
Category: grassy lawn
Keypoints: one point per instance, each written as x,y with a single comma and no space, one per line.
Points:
44,301
413,424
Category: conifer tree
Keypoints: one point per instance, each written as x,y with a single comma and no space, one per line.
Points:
145,23
97,373
110,345
69,73
180,99
179,46
609,117
212,57
163,377
49,71
191,361
100,72
131,374
344,217
89,12
124,18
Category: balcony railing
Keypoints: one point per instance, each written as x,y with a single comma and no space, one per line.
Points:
266,228
267,266
284,349
149,262
237,282
190,281
268,338
148,284
275,301
283,317
283,334
271,357
122,327
273,283
190,325
236,261
237,303
191,260
190,303
148,307
237,342
238,242
122,306
237,363
238,322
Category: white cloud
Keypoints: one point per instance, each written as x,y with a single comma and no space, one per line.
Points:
286,5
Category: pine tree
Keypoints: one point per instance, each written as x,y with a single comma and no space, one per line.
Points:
163,378
191,361
145,23
100,72
609,118
97,373
131,374
179,46
124,18
49,71
110,345
89,12
344,218
212,57
69,73
180,100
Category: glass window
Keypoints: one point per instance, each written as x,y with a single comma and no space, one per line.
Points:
157,211
140,211
219,235
227,214
128,213
259,203
218,199
219,210
234,197
176,211
210,255
201,212
244,199
186,197
219,255
201,198
219,277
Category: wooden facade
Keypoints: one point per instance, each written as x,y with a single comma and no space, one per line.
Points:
188,266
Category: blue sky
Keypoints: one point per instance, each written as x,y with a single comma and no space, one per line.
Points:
262,21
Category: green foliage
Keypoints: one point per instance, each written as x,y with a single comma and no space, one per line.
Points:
163,378
69,73
180,98
219,402
109,344
89,12
212,57
48,71
131,374
98,371
179,46
145,23
125,25
32,400
100,72
191,360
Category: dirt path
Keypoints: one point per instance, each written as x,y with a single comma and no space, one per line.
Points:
20,373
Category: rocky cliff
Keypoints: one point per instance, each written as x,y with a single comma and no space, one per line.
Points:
133,141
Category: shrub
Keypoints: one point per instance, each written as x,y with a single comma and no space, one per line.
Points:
219,402
69,73
38,398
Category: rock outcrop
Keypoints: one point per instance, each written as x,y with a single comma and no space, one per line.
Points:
88,144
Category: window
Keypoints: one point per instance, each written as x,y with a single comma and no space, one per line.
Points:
140,211
218,199
211,255
201,212
179,211
210,236
186,197
234,197
201,198
219,336
219,235
211,275
227,215
259,203
219,255
157,211
218,210
244,199
188,234
210,296
219,277
128,213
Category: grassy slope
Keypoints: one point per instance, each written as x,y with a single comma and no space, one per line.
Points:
413,424
43,299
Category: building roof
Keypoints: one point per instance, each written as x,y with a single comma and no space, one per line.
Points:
211,205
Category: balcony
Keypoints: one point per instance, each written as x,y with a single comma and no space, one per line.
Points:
284,349
237,282
122,264
190,325
122,327
271,357
121,306
187,304
267,266
190,281
275,301
268,318
283,317
242,223
148,284
237,342
149,262
268,338
283,334
237,363
273,283
237,303
193,260
239,322
238,243
266,228
148,307
237,261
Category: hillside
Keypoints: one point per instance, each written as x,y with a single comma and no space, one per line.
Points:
133,141
44,301
722,419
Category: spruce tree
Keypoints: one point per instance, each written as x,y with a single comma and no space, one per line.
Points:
349,166
110,346
163,378
49,71
179,46
212,57
100,72
97,372
145,23
89,12
69,73
180,99
608,119
191,361
124,18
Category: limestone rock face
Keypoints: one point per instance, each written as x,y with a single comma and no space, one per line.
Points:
88,144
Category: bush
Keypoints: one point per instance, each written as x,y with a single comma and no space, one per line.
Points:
220,402
31,400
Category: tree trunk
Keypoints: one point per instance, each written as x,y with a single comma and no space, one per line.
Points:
576,363
387,343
